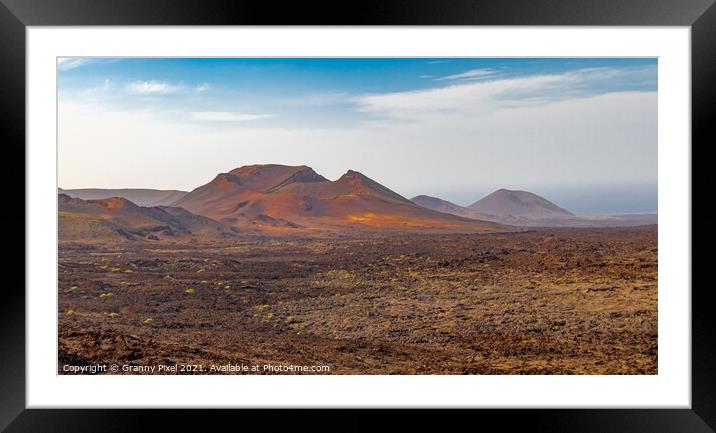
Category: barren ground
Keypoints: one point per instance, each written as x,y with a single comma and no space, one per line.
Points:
557,301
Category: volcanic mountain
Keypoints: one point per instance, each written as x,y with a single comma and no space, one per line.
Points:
521,208
119,218
503,206
138,196
279,198
519,204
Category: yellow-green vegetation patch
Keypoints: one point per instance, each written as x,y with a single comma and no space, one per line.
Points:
200,271
291,319
128,271
70,312
148,321
204,282
261,307
73,289
190,290
112,315
269,316
105,295
340,273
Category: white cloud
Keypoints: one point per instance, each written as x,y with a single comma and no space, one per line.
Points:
473,74
226,116
478,98
453,101
467,138
153,87
69,63
203,87
97,90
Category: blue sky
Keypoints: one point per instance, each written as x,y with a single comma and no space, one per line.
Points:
546,125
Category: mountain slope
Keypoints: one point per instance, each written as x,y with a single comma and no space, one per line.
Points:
525,209
518,204
440,205
119,218
138,196
278,198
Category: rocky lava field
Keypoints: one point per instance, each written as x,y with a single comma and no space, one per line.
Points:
541,301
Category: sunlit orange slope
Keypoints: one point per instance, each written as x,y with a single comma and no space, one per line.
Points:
279,198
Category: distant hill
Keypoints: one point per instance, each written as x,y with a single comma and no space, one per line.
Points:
138,196
120,219
296,199
526,209
520,204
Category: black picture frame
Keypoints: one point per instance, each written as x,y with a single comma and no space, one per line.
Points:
16,15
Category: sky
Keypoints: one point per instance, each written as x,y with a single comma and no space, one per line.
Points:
582,132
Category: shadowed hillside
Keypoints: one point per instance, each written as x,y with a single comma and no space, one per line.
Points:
119,219
138,196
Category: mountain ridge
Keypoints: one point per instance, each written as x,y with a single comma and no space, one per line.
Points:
138,196
119,218
273,197
526,209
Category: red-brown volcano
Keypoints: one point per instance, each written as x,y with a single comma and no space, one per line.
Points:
279,198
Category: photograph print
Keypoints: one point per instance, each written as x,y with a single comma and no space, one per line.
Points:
357,216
